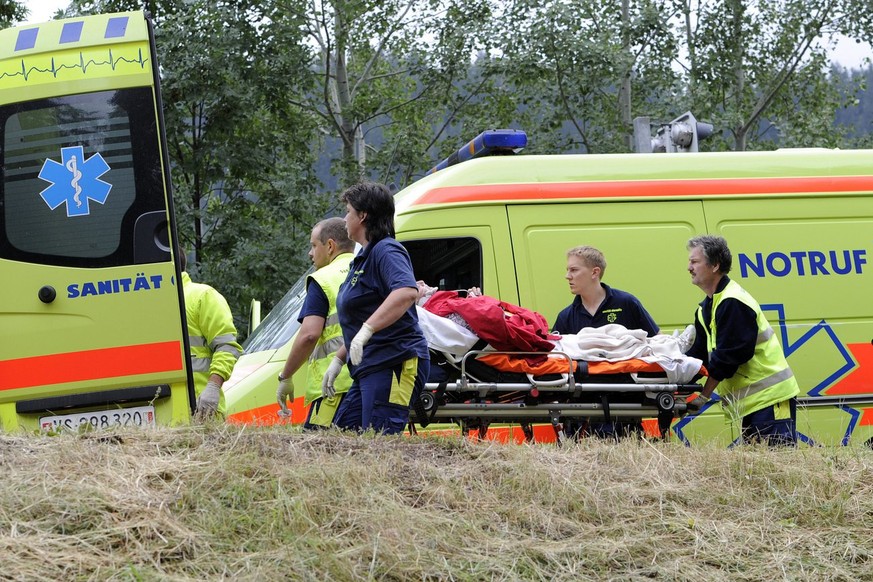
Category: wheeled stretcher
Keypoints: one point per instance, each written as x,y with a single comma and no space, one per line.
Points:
473,396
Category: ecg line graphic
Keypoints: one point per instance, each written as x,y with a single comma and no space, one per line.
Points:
112,62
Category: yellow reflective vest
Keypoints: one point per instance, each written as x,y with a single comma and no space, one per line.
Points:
766,379
211,333
329,278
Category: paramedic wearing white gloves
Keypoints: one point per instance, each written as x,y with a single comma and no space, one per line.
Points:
740,350
212,337
595,305
319,336
387,352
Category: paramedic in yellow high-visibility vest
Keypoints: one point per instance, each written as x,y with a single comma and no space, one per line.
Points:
212,337
740,350
320,334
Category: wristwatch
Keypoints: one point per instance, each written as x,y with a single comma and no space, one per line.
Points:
282,378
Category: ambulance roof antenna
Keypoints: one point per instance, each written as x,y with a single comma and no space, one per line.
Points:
682,135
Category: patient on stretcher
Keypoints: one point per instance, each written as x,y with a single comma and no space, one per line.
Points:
455,323
561,382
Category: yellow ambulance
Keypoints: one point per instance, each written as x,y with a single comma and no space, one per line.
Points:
92,329
799,223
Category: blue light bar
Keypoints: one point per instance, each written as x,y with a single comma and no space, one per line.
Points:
488,143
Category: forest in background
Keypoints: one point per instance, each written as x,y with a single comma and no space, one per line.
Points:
272,107
855,119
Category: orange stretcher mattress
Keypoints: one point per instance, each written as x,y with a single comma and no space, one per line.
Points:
558,365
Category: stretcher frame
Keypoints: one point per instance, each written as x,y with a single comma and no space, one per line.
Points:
475,404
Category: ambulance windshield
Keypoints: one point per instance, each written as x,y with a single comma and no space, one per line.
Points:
280,325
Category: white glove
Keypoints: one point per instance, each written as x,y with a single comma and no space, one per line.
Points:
356,348
333,370
207,402
686,339
285,389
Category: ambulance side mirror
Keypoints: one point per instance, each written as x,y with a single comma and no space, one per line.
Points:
254,316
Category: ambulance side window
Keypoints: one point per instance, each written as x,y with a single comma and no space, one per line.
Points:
82,180
447,263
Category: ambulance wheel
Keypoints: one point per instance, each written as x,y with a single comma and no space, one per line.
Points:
665,401
427,401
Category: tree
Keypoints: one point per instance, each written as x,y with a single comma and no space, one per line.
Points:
758,66
856,117
580,69
241,151
11,12
381,67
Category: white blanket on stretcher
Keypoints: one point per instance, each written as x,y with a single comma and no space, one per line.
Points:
444,335
614,343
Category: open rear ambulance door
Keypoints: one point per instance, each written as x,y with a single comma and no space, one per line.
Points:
92,321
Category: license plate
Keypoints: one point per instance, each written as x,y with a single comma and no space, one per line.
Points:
101,419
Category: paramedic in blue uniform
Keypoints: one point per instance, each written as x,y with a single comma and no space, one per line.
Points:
383,343
597,304
740,350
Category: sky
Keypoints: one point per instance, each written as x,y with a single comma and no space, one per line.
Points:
847,52
42,10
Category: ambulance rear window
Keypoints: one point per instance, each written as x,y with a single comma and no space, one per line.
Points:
78,172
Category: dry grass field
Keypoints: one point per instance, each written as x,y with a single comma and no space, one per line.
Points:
231,503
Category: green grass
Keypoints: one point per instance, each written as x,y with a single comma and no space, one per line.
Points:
220,502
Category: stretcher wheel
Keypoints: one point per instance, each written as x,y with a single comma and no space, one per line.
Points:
427,401
528,432
665,401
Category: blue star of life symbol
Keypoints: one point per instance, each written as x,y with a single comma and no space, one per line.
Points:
75,181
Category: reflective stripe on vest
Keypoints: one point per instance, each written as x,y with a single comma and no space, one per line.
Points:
758,386
328,348
200,364
764,335
329,278
764,380
222,343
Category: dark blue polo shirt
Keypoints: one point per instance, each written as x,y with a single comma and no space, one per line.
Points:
378,270
617,307
315,303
